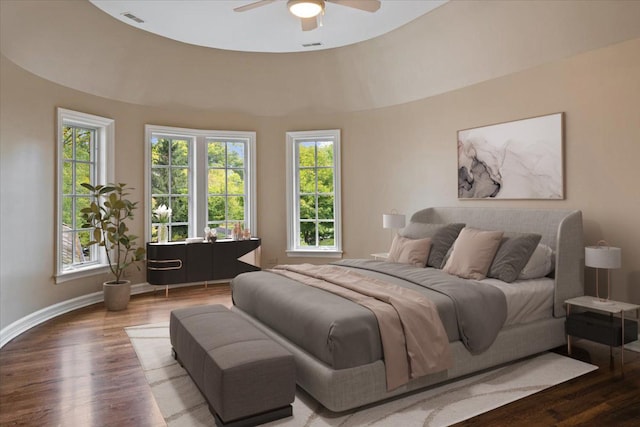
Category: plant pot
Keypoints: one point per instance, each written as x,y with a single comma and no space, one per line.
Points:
116,295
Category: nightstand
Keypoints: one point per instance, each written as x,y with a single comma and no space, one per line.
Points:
602,328
381,256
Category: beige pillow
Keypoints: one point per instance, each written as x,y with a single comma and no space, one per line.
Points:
472,253
442,237
409,251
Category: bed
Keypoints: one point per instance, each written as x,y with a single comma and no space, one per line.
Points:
341,378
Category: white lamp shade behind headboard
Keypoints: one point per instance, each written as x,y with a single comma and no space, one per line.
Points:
602,257
393,220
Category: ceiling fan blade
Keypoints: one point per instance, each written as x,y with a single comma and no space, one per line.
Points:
309,24
366,5
253,5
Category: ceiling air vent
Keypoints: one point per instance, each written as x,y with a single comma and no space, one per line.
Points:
311,44
132,17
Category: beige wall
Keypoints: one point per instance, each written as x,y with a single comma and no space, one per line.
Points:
401,157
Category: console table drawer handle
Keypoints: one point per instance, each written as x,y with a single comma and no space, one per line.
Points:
164,261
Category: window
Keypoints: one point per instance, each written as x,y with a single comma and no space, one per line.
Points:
313,193
85,147
226,184
206,177
171,174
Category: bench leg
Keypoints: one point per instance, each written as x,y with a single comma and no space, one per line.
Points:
175,356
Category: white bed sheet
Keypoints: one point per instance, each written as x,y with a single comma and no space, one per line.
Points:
527,300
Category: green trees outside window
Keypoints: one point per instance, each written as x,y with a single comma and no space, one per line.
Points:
78,166
226,186
170,176
206,177
316,193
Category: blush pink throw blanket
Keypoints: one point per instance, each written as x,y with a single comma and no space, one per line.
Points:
414,341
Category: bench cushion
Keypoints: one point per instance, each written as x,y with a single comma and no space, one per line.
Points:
239,370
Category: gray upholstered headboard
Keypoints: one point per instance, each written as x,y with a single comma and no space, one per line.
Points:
560,229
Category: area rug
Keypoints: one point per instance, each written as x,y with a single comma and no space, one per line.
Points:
182,404
634,345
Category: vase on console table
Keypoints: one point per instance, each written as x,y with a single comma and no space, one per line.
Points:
163,233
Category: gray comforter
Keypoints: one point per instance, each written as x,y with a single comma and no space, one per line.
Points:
343,334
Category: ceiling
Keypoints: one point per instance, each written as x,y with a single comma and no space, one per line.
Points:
457,45
270,28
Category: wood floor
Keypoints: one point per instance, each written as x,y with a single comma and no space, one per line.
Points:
81,370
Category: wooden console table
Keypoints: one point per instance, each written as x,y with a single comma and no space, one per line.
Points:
181,262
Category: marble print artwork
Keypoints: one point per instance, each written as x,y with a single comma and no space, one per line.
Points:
514,160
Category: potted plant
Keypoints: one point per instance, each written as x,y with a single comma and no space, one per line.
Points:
108,215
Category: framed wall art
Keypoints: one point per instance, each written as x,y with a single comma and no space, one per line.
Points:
521,159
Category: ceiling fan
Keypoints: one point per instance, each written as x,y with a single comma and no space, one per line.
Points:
308,10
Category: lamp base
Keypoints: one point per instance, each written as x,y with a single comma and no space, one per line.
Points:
603,302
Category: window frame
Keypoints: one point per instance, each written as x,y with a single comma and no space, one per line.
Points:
191,142
104,154
198,166
293,194
228,138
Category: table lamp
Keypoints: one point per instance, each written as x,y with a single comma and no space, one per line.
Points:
603,256
393,220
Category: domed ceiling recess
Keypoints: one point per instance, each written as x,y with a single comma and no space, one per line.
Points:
458,44
266,25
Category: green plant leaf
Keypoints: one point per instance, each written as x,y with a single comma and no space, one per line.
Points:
106,189
106,215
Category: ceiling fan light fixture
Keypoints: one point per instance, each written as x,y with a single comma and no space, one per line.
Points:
306,8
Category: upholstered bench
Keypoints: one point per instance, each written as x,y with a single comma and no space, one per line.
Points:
246,378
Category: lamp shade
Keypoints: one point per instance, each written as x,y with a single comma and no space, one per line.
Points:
602,257
393,220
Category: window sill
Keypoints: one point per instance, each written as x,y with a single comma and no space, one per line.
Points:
80,273
313,253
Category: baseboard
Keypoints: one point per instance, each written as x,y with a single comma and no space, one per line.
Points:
34,319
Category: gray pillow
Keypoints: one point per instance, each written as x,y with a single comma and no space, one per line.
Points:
442,237
513,254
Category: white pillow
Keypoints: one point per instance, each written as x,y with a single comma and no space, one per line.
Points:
540,264
472,253
409,251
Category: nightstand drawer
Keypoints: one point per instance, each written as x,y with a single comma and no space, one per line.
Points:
601,328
